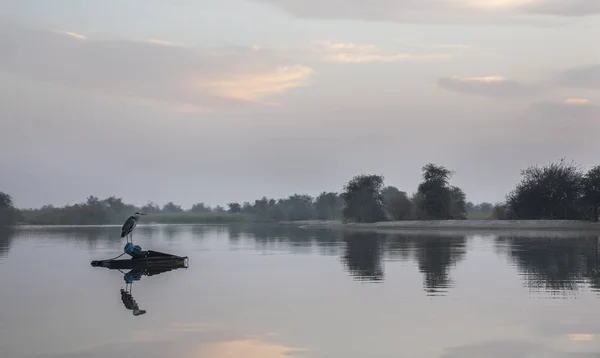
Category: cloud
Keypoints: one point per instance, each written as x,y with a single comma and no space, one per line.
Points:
554,122
569,8
72,34
510,348
160,42
570,112
256,86
577,101
339,52
480,11
487,86
580,337
151,71
160,72
587,77
435,46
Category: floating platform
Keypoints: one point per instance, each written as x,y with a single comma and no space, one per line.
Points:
152,259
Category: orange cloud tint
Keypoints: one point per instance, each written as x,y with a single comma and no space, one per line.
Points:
339,52
581,337
255,87
72,34
577,101
248,348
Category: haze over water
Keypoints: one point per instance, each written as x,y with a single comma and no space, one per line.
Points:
274,292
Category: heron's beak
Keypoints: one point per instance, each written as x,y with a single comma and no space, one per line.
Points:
142,213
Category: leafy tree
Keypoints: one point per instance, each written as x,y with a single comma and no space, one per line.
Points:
219,209
481,210
8,213
363,199
276,211
92,212
552,192
500,212
328,206
234,208
435,195
458,207
6,200
172,208
396,203
485,207
261,208
200,208
416,207
247,208
151,208
115,204
591,193
299,207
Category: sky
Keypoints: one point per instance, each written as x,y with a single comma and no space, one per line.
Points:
217,101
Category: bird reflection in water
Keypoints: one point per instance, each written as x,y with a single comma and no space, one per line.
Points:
136,274
128,300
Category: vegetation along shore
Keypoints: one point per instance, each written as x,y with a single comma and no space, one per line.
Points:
557,196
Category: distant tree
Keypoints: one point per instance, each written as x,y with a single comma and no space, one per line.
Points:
247,208
92,200
416,207
435,194
470,207
234,208
260,209
458,207
115,204
150,208
171,208
396,203
552,192
299,207
363,199
482,210
328,206
500,212
485,207
6,200
200,208
219,209
591,193
276,210
9,215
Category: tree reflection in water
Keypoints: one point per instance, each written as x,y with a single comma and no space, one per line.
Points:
6,237
434,255
556,265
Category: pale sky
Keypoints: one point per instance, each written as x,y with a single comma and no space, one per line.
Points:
229,100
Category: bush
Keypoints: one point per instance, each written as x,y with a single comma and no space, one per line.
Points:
552,192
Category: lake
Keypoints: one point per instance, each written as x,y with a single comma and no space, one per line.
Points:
274,292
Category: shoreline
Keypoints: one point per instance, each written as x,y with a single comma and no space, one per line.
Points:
551,229
490,226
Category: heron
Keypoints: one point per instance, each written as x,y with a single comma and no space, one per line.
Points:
130,224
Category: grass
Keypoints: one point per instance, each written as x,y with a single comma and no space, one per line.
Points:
479,216
196,218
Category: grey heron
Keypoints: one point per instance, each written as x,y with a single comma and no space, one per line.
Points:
129,225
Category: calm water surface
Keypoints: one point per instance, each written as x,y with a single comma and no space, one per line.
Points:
268,292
